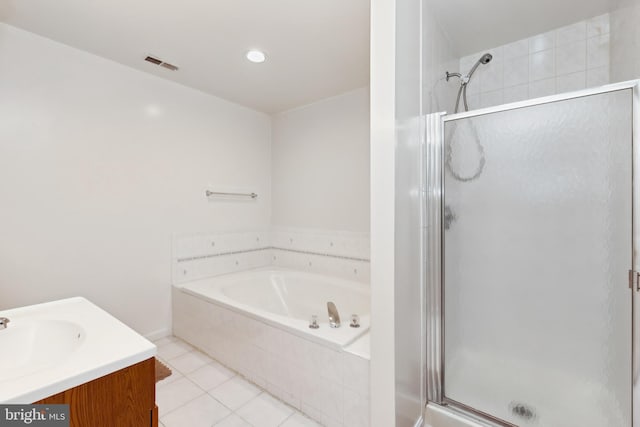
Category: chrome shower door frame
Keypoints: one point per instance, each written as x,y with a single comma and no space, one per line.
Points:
433,246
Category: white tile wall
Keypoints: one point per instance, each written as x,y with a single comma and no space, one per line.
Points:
341,254
569,58
329,385
625,42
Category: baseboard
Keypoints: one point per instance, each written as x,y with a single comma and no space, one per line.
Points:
156,335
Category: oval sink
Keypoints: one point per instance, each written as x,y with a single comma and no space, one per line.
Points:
34,345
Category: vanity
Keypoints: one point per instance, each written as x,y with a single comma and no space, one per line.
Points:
72,352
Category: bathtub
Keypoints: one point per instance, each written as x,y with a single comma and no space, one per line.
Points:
288,298
257,323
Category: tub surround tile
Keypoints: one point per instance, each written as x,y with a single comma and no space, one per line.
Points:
235,393
203,411
334,253
356,375
329,421
311,411
356,412
265,411
305,374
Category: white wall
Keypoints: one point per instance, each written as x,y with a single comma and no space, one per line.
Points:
383,92
99,164
320,158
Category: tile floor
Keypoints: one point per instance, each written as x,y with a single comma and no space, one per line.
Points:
202,393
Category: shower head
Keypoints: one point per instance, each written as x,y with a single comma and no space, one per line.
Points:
484,59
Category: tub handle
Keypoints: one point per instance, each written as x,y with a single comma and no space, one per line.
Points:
334,316
313,324
355,321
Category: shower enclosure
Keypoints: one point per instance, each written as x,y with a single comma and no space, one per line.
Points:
531,284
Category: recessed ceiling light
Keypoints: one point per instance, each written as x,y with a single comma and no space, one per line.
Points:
256,56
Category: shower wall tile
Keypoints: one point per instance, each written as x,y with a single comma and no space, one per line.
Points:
489,99
493,77
598,26
598,76
516,93
542,65
542,42
569,58
516,71
541,88
571,33
598,51
571,82
516,49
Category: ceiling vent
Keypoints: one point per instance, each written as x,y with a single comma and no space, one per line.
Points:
160,62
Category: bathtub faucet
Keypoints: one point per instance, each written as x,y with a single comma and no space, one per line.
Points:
334,317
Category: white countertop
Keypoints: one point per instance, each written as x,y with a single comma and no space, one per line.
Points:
101,345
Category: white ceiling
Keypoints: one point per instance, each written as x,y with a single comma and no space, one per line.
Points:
315,49
474,25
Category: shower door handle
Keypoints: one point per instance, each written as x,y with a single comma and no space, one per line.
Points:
634,280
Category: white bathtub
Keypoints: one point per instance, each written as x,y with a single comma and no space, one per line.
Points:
288,298
257,323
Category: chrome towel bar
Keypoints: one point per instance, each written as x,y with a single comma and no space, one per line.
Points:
218,193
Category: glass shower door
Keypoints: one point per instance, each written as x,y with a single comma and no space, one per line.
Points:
537,245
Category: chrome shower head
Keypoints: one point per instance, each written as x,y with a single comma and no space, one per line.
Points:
486,58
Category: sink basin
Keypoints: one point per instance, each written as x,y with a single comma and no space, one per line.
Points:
37,344
55,346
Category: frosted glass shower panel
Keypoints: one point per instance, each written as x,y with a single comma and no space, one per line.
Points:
537,247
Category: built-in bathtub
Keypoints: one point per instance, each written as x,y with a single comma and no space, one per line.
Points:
257,323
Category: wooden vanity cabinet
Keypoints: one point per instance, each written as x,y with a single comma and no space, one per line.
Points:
125,398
